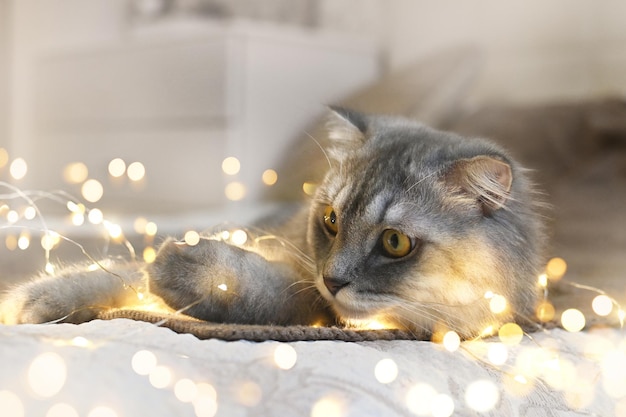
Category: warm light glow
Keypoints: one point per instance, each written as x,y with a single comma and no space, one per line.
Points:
47,374
95,216
309,188
136,171
442,406
192,238
23,242
223,287
205,403
602,305
573,320
92,190
151,229
12,216
18,168
556,268
117,167
185,390
61,410
419,399
115,230
511,334
102,412
249,393
269,177
545,311
497,304
80,341
386,371
140,225
451,341
488,331
285,356
30,213
497,353
49,269
329,406
149,254
160,377
11,242
143,362
11,405
482,395
542,280
239,237
231,165
235,191
75,173
77,219
4,157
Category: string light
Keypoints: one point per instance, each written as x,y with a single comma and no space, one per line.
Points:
451,341
75,173
420,398
239,237
18,168
573,320
235,191
47,374
136,171
11,404
249,393
329,406
4,157
92,190
602,305
442,405
482,396
117,167
61,410
102,411
143,362
269,177
386,371
160,376
231,166
285,356
192,238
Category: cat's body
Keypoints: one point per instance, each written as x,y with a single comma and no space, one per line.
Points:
411,227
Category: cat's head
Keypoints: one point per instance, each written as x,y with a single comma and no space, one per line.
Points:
418,227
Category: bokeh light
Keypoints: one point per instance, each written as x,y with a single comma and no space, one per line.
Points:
556,268
185,390
239,237
419,399
143,362
235,191
510,334
602,305
62,410
11,404
249,393
102,411
285,356
442,405
117,167
18,168
192,238
497,304
329,406
92,190
160,376
573,320
269,177
482,395
231,166
451,341
136,171
545,311
386,371
75,173
47,374
4,157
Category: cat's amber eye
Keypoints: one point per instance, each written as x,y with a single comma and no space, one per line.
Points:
396,244
330,220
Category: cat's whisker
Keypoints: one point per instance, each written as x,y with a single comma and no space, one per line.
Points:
319,145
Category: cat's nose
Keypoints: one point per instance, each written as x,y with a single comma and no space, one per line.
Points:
334,284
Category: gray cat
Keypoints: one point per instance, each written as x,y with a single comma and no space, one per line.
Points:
411,227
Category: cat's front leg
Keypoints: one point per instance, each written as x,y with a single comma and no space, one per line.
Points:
73,295
219,282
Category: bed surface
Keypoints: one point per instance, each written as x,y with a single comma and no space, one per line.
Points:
94,370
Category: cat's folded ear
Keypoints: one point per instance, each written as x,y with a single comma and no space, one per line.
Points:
486,180
346,131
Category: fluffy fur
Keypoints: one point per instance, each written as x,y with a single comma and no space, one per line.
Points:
411,226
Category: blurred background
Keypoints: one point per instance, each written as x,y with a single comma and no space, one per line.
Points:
178,114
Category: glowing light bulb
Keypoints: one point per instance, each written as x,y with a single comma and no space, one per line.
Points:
117,167
92,190
4,157
80,341
556,268
510,334
386,371
50,268
451,341
482,395
309,188
136,171
545,311
285,356
140,225
185,390
602,305
23,242
239,237
235,191
18,168
47,374
192,238
143,362
11,404
269,177
149,254
95,216
249,393
497,353
223,287
542,280
78,219
329,406
231,166
151,229
30,213
573,320
160,377
12,216
75,173
497,304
